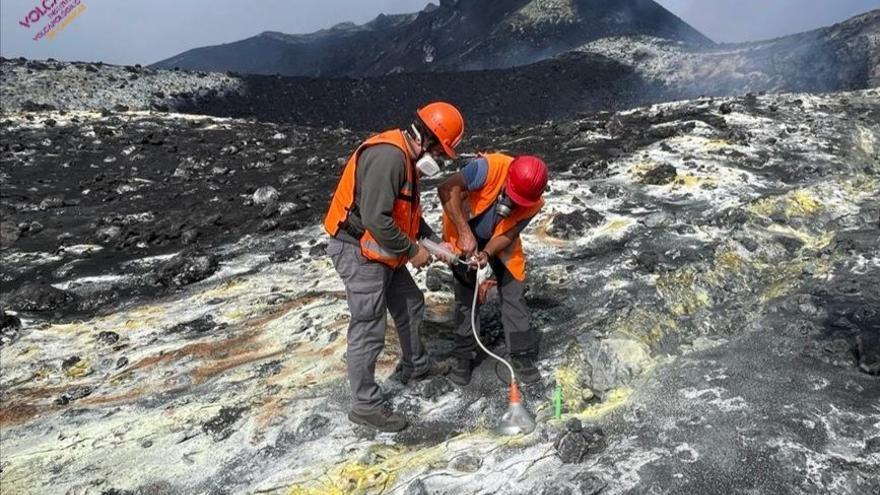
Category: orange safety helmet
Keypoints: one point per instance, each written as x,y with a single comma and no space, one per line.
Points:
526,180
445,122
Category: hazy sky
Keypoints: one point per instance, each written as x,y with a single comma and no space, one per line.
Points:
129,32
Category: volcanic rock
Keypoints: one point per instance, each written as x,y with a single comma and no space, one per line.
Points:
185,269
319,249
289,253
10,326
439,279
265,195
660,175
606,364
72,395
312,427
434,388
466,463
195,327
868,351
576,443
189,236
9,233
583,483
575,224
108,338
41,297
734,334
417,487
221,426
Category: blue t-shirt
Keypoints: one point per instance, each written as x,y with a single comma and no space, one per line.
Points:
483,225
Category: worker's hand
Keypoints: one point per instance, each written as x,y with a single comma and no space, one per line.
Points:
421,259
467,244
480,259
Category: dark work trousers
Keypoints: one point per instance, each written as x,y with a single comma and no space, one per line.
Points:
519,336
373,288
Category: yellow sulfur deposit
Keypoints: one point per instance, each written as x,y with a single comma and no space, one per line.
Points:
682,295
357,478
574,393
717,143
799,203
78,370
615,399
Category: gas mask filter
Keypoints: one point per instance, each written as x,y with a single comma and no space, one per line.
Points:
504,206
428,166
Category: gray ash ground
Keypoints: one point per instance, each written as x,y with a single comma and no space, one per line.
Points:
108,189
705,276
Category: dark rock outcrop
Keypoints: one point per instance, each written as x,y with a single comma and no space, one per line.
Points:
42,298
660,175
576,442
185,269
575,224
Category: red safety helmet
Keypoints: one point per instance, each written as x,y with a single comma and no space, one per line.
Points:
445,122
526,180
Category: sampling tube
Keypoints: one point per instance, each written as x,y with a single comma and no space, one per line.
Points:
440,251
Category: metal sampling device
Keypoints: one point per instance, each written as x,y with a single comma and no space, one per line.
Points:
517,419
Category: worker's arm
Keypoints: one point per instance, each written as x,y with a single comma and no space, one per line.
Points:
381,172
452,193
500,242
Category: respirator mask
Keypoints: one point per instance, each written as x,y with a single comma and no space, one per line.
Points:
504,206
427,164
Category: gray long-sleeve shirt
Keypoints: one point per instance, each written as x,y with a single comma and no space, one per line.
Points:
381,172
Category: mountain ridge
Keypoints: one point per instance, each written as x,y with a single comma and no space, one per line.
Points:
456,35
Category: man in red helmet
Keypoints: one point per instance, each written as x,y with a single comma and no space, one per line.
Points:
485,207
374,222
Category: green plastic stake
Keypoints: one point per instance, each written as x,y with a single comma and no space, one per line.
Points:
557,402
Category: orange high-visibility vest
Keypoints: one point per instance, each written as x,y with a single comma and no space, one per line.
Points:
407,211
482,199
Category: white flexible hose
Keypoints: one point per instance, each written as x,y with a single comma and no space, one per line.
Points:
482,274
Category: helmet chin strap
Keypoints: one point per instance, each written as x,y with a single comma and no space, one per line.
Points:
417,139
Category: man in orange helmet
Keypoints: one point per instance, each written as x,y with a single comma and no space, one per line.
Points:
374,222
485,207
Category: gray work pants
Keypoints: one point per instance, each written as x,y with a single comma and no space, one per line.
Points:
373,288
518,334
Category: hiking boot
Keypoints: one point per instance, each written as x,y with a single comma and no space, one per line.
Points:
383,419
461,372
526,371
435,368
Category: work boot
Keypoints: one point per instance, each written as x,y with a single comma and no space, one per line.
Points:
461,372
383,419
435,368
526,371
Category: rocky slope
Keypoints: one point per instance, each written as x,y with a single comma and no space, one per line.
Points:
457,35
843,56
705,276
606,74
